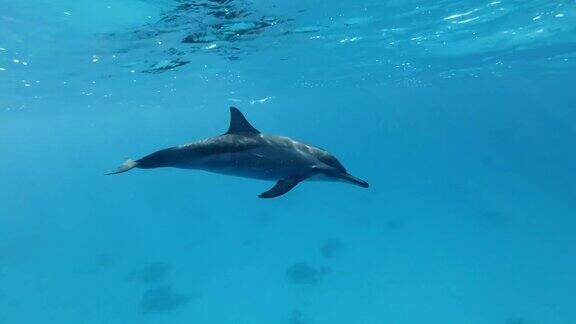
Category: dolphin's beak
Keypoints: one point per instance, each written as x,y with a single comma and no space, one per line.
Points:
353,180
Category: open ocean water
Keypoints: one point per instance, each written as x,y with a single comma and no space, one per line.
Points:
460,114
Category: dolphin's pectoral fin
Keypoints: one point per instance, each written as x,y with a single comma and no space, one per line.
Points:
281,187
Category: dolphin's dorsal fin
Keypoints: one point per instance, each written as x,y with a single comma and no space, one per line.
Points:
239,124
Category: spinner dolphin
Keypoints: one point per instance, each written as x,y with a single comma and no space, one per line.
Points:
246,152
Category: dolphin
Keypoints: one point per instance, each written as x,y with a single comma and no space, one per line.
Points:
246,152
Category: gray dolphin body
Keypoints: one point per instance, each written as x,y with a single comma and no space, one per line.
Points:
244,151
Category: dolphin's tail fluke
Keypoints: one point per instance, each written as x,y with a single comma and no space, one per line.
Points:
127,165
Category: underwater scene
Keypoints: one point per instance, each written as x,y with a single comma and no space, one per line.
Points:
288,162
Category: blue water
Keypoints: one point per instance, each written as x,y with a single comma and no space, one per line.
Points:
460,114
